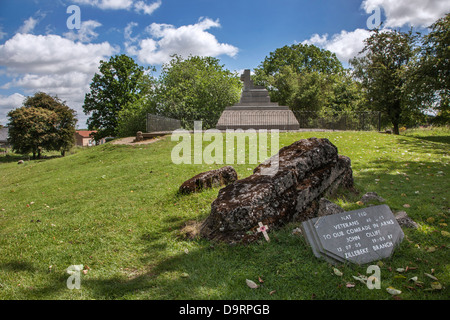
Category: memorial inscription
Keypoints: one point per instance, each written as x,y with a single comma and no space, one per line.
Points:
358,236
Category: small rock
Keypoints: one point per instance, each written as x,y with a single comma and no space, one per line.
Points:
326,208
371,196
405,221
209,179
297,231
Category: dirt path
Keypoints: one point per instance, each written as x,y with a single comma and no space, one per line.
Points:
129,141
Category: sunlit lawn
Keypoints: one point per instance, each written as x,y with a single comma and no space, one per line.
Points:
115,210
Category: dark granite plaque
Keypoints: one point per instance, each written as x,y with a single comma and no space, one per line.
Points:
358,236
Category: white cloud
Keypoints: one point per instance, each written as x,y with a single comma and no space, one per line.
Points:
167,40
86,32
28,25
107,4
345,45
2,33
139,6
53,64
419,13
129,30
8,103
44,54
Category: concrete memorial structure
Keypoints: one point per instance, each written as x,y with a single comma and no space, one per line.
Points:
256,111
360,236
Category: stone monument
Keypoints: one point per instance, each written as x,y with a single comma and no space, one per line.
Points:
256,111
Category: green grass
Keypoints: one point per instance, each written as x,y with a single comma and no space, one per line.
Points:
115,209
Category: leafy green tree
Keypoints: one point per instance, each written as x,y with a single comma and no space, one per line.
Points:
434,68
196,88
31,129
309,91
299,76
385,72
132,118
64,126
120,83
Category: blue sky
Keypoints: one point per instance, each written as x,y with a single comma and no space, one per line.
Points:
38,52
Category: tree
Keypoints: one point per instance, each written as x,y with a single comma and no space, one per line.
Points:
132,117
384,71
64,126
31,129
303,77
43,123
120,83
196,88
434,68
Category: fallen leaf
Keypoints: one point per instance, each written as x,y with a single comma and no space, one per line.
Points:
445,233
436,286
431,249
184,275
272,292
406,205
350,285
400,269
361,278
393,291
260,280
430,220
431,276
251,284
360,203
337,272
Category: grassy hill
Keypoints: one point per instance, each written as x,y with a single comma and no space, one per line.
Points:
115,210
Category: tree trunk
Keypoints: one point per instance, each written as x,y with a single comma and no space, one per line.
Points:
396,129
396,112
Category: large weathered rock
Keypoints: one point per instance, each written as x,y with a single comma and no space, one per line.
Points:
209,179
308,170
